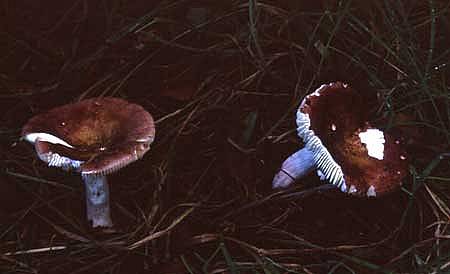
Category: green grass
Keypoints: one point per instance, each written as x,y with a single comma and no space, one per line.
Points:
223,82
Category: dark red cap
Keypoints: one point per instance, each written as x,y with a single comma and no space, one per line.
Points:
337,115
104,134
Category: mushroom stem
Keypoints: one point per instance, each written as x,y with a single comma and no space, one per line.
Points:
97,200
294,167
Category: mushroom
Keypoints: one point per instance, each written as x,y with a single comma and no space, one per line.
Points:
342,146
94,137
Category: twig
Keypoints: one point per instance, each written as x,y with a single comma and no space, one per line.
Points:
36,250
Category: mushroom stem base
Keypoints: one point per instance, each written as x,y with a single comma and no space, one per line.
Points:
294,167
97,200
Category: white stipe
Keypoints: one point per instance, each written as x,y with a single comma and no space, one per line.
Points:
32,137
97,200
295,167
374,140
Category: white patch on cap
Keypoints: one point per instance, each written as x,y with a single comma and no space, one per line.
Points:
371,192
374,140
32,137
352,189
333,127
148,139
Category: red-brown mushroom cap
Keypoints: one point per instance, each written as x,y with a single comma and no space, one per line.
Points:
334,110
337,115
104,134
368,175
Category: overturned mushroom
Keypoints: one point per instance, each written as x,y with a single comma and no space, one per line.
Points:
95,137
342,146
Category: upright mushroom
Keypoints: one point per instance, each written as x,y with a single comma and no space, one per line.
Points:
342,146
95,137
